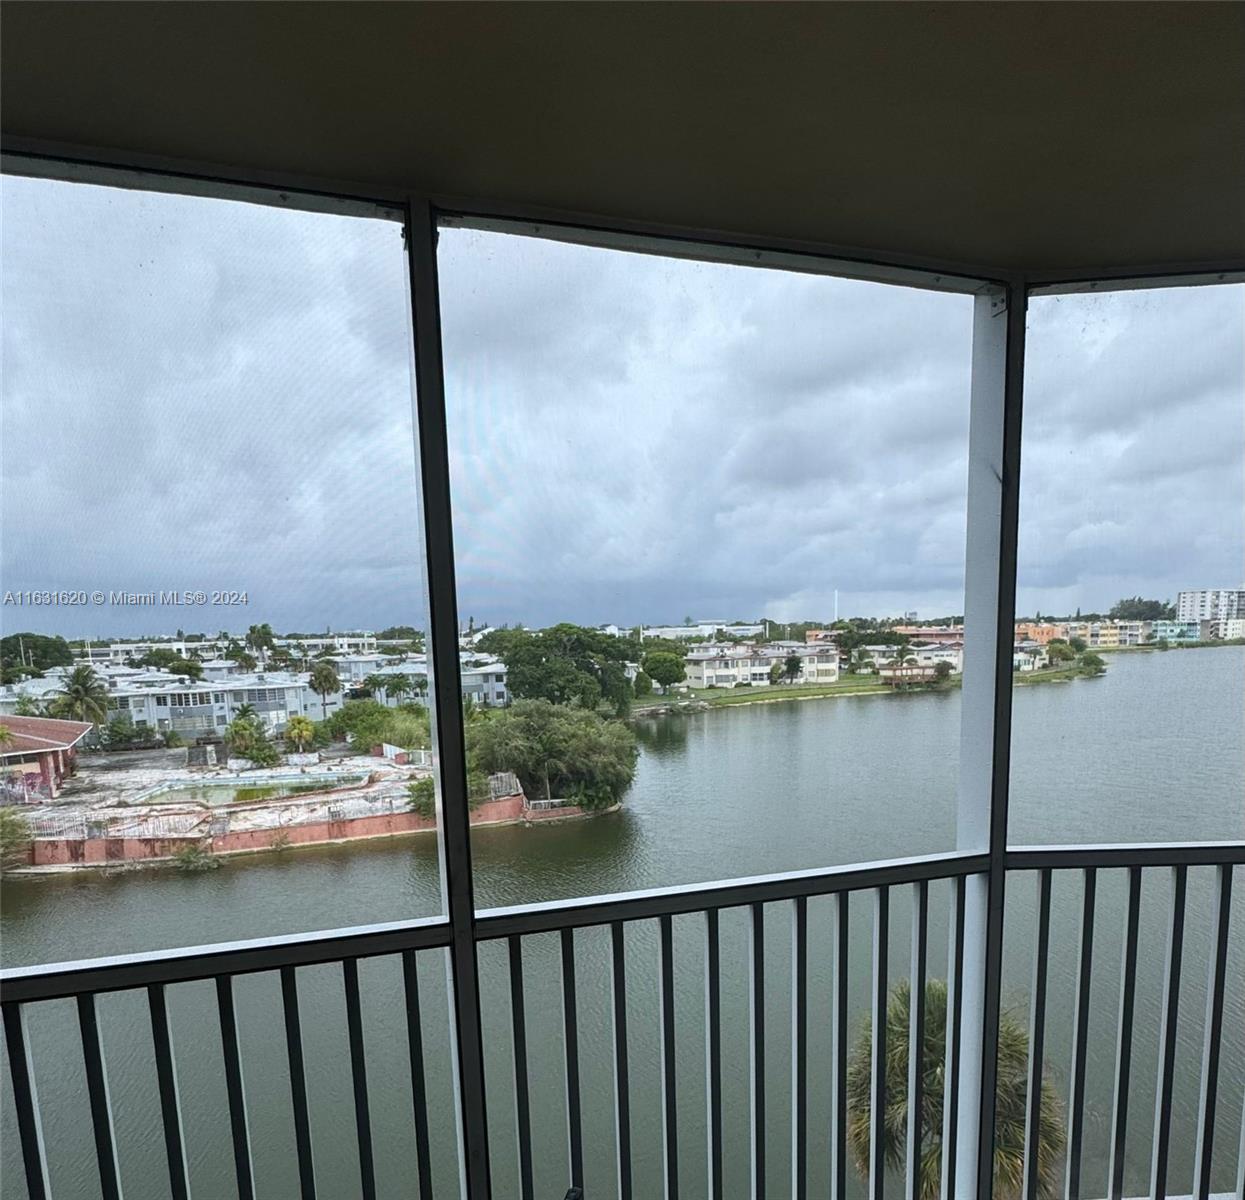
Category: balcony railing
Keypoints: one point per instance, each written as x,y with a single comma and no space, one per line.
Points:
812,908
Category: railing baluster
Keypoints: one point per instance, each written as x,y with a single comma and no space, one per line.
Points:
756,992
799,1048
419,1091
298,1082
570,1025
1208,1097
916,1036
622,1085
234,1088
522,1109
839,1053
1080,1033
713,1051
1124,1048
954,1030
1167,1036
101,1104
670,1095
358,1074
26,1102
166,1081
1037,1039
877,1086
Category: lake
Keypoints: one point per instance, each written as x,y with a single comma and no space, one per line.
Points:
1152,751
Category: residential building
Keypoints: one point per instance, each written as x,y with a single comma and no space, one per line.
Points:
1177,631
1134,633
37,755
748,663
1032,631
702,629
1210,604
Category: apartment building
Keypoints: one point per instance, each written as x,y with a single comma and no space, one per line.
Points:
1210,604
732,665
1177,631
702,629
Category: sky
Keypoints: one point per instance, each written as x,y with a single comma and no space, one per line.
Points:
206,395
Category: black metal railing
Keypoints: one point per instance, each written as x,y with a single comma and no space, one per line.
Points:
680,925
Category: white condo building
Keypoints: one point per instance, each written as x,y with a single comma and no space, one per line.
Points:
1211,604
727,666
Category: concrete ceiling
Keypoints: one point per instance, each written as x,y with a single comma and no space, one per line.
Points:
1017,135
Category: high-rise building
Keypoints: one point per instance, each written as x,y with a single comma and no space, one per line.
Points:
1211,604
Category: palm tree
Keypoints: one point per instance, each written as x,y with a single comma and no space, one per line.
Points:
377,683
259,638
246,712
299,730
84,697
398,685
1011,1092
324,681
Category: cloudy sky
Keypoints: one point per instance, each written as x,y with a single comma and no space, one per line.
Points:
203,395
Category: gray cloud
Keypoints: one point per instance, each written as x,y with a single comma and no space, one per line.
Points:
202,394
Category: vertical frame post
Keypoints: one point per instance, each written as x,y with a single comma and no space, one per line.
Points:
986,706
456,881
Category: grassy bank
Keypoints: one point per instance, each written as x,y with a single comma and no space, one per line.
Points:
775,694
1056,675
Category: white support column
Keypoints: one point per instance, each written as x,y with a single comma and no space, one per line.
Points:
985,721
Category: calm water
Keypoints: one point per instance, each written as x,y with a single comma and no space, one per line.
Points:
1154,750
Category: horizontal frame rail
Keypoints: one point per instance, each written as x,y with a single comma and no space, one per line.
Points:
735,893
57,981
1144,854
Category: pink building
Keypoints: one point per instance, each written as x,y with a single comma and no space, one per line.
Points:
39,753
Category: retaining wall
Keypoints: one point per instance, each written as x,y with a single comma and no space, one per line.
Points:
101,852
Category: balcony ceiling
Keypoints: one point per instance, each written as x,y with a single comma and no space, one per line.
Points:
1044,136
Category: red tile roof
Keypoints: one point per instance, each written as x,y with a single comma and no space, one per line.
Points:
29,735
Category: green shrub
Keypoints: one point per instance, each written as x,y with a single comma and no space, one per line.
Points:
196,857
423,797
14,839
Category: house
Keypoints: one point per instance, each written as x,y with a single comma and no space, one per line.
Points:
38,754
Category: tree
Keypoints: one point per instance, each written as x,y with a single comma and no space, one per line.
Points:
1059,651
259,639
1134,608
664,669
164,659
300,730
1080,645
246,737
942,671
423,797
775,674
1092,663
643,684
791,667
324,682
34,651
15,838
84,697
377,683
1011,1091
556,750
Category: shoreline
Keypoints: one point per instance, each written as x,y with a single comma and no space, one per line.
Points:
118,866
